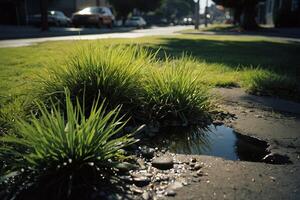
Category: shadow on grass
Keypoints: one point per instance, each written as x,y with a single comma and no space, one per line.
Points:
236,54
278,59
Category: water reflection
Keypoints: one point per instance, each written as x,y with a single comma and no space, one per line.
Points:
220,141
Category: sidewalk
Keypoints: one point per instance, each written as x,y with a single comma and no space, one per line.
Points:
21,32
292,34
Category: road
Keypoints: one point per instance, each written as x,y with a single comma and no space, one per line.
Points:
154,31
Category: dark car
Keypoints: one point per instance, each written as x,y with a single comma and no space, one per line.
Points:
55,18
99,16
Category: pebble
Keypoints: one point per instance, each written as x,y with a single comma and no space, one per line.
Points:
175,185
141,163
275,158
147,153
125,167
197,166
273,178
141,181
193,160
170,193
146,195
163,163
192,164
200,173
126,178
136,190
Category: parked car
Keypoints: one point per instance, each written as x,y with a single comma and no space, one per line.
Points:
187,21
136,21
55,18
99,16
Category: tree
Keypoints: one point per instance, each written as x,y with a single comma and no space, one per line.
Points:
44,15
124,7
244,11
175,9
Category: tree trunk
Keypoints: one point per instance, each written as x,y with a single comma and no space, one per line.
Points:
237,15
44,15
247,20
197,14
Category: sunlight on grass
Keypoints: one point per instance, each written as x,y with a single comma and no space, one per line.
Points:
226,60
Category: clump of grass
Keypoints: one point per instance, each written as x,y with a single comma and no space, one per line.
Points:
63,155
112,72
263,82
175,92
130,76
14,108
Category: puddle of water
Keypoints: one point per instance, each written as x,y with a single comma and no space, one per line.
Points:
219,141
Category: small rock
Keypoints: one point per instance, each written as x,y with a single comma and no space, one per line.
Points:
126,178
273,178
147,152
175,185
195,180
141,163
197,166
258,116
170,193
163,163
275,158
200,173
125,167
149,175
193,160
141,181
192,164
136,190
146,195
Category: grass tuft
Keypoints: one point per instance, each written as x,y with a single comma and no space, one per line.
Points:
63,154
175,91
109,72
263,82
132,77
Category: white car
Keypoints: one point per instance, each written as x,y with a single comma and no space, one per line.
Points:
55,18
138,22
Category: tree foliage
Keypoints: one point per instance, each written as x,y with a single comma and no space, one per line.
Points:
244,11
124,7
171,9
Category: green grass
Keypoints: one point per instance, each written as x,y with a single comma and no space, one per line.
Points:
214,28
226,60
175,91
61,155
110,72
148,88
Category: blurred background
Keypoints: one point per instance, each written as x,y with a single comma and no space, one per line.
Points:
247,14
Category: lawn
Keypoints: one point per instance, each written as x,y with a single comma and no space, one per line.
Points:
72,140
259,64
